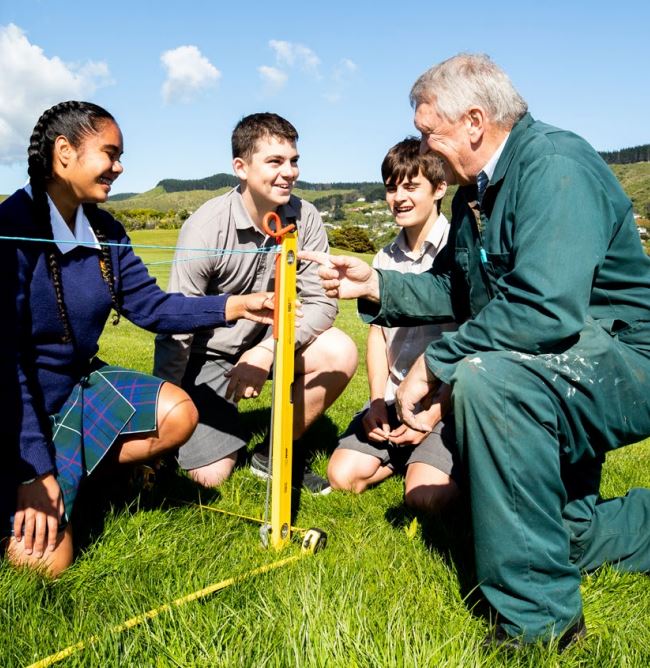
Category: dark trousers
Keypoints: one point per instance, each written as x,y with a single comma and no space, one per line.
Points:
532,432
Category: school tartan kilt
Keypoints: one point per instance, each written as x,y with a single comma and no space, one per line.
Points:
108,403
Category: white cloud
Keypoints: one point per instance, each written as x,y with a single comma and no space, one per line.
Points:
30,82
273,78
298,55
345,68
341,77
333,97
188,73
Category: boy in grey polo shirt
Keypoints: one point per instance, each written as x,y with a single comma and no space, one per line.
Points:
375,444
220,367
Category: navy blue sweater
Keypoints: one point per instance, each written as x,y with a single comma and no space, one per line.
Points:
38,371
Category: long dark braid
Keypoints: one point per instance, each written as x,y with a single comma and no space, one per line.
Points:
74,120
105,261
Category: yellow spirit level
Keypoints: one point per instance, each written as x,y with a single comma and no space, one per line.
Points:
283,371
284,323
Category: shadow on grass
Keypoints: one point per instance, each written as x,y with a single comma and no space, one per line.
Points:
126,489
321,437
450,535
118,489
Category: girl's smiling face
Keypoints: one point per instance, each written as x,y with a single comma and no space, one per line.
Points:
89,170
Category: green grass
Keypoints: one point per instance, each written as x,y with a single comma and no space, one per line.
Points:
635,179
387,591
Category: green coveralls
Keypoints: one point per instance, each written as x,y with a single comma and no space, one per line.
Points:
550,369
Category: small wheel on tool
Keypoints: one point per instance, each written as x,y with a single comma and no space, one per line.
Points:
265,535
314,540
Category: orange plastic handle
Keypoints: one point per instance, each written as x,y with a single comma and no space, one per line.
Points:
279,231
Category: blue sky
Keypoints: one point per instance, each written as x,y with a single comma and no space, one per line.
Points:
179,75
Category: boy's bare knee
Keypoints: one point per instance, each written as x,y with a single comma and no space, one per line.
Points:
430,498
333,351
338,481
347,484
342,478
419,498
344,356
214,474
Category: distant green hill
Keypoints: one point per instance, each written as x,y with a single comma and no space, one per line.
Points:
121,196
215,182
163,200
218,181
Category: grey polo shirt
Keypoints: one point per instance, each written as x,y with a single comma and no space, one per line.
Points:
224,223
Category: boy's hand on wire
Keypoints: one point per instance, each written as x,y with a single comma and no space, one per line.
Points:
257,306
375,421
421,388
343,276
39,508
248,376
405,436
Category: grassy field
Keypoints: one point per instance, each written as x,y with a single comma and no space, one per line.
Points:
390,589
635,179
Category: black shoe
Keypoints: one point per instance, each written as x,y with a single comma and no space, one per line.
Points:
312,482
261,468
575,633
260,464
499,639
143,478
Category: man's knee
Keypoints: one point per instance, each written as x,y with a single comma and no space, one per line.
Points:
478,379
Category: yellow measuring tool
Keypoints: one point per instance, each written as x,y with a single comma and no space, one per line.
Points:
284,325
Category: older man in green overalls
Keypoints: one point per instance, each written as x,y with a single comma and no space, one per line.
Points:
551,366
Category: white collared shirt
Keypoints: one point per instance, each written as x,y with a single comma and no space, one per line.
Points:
491,164
405,344
63,235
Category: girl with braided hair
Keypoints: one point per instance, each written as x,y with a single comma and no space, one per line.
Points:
64,408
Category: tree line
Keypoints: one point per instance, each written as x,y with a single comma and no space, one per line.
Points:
625,156
223,180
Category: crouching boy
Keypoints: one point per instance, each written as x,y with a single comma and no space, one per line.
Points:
220,367
375,444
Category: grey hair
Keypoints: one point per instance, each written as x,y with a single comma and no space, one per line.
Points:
468,80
